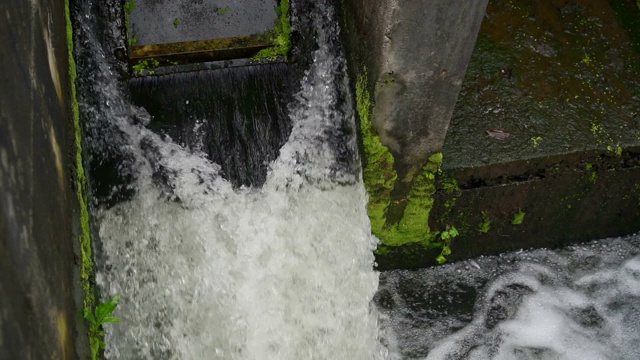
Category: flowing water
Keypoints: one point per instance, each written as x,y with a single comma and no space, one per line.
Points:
581,302
207,270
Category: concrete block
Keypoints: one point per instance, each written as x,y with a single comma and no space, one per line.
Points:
185,31
547,127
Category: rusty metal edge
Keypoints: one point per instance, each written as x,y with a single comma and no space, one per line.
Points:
202,50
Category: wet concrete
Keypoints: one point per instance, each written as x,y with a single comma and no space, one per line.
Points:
38,206
547,124
171,21
415,55
188,31
557,76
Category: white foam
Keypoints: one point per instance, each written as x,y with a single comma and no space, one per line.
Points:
282,272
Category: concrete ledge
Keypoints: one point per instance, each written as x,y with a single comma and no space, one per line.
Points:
183,32
563,199
201,51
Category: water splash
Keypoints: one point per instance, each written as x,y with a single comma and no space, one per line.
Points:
208,272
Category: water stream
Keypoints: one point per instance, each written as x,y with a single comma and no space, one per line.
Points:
580,302
207,270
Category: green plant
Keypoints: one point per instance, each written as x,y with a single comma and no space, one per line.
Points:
446,236
450,186
518,217
97,319
485,224
146,65
128,10
617,150
282,31
129,6
176,22
596,128
536,140
224,10
593,176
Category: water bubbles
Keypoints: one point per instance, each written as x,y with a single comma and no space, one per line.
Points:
572,303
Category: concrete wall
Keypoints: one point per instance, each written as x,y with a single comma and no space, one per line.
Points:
542,143
38,313
416,53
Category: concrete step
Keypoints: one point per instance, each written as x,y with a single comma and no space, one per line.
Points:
175,32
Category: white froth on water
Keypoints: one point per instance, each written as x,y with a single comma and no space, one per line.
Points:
579,303
208,272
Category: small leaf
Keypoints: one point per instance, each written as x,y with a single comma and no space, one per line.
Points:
106,308
86,313
441,259
446,250
110,319
445,235
453,232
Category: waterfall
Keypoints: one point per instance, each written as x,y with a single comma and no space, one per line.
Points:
209,271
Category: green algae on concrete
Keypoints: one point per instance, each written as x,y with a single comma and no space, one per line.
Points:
413,227
86,253
380,178
87,269
378,173
282,34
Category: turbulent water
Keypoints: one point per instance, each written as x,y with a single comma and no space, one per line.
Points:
582,302
206,271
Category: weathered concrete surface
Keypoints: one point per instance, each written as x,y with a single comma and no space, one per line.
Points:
185,31
416,54
38,221
560,78
171,21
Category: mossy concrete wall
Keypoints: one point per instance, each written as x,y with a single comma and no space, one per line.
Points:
39,213
408,61
416,54
542,148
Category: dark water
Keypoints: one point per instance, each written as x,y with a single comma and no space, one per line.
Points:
581,302
236,116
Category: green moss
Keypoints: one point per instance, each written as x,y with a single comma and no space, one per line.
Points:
413,227
87,268
145,66
380,179
485,223
518,217
378,173
282,32
450,186
129,6
224,10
